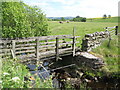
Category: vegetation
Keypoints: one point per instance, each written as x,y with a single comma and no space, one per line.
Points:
62,19
21,20
81,28
107,20
104,16
110,54
79,19
13,74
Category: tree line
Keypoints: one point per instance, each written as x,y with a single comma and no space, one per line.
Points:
76,19
105,16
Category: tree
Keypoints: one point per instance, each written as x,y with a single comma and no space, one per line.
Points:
77,16
79,19
62,19
83,20
109,16
21,20
104,16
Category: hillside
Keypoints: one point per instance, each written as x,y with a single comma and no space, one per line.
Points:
112,20
67,18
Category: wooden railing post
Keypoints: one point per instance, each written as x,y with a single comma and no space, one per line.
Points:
37,49
116,30
57,49
73,46
13,49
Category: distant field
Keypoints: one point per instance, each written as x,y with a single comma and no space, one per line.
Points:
112,20
82,28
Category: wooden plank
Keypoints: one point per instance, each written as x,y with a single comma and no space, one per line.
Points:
4,50
28,44
22,48
26,55
52,38
52,45
3,47
109,27
53,42
48,53
60,44
5,41
25,40
4,54
48,36
28,51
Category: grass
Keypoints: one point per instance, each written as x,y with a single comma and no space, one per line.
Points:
110,54
82,28
112,20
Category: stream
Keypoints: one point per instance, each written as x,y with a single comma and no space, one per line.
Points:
77,77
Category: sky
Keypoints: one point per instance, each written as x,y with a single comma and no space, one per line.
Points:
73,8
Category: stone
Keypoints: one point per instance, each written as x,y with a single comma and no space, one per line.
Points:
88,60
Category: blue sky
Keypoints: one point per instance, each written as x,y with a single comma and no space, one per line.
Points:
83,8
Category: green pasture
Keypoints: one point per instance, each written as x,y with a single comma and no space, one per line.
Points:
81,28
112,20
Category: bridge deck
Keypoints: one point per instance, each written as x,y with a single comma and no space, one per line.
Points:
39,48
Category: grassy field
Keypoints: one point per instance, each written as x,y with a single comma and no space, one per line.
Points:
82,28
112,20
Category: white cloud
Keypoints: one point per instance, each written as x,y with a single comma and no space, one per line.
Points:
86,8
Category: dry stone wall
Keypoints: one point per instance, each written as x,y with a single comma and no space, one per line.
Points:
91,41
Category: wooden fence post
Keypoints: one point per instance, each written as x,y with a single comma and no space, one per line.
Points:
37,49
13,48
73,46
57,48
116,30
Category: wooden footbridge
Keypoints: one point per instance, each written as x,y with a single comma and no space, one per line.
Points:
39,48
45,47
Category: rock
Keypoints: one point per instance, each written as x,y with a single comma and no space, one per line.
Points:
88,60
